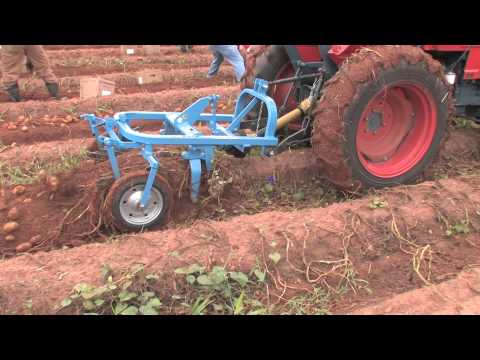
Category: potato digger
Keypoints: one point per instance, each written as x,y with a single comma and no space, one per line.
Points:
375,116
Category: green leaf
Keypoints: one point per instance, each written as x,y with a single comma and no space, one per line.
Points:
191,279
148,294
260,275
377,203
154,303
106,271
137,268
127,284
238,305
152,277
125,296
239,277
194,268
273,244
174,254
99,302
87,295
200,305
204,280
112,286
88,305
217,275
90,314
275,257
147,310
268,188
66,302
300,196
83,287
119,308
131,310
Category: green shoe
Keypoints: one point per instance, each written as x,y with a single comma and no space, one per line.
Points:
53,90
14,92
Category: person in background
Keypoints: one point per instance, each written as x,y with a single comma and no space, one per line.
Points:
12,60
229,53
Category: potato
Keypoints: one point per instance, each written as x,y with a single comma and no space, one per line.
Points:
24,128
53,183
10,227
18,190
42,174
23,247
35,240
13,214
9,238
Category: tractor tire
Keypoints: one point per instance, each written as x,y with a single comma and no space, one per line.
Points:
264,61
382,118
269,62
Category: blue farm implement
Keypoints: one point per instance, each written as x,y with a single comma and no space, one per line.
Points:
141,203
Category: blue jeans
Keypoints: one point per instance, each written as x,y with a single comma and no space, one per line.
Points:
231,54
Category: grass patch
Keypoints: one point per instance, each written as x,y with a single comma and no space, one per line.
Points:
28,174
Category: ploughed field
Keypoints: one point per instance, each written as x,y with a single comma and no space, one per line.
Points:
269,236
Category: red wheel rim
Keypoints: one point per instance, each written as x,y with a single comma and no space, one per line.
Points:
280,92
396,130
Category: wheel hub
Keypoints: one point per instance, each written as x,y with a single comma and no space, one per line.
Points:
133,213
374,122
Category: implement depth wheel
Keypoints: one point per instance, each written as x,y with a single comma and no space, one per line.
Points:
123,201
382,118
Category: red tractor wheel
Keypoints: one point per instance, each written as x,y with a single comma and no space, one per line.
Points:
382,118
272,63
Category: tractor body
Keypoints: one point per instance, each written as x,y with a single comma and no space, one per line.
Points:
461,63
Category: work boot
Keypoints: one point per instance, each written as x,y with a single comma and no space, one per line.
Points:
53,90
14,92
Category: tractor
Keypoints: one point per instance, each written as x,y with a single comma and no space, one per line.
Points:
375,116
382,111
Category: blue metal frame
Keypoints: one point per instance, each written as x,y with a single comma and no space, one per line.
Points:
178,129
